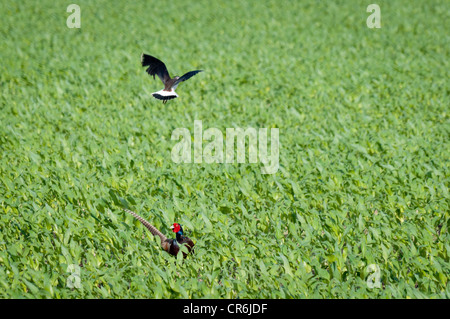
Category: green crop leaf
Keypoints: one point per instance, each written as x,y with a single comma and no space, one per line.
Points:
362,172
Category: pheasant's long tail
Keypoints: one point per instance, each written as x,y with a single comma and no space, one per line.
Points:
149,226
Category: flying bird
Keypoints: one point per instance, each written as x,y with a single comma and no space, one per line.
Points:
172,246
157,67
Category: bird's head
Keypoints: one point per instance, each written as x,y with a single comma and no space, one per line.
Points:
176,77
176,228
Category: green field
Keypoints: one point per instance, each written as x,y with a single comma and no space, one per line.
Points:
362,190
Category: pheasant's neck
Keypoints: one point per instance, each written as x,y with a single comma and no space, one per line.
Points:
179,235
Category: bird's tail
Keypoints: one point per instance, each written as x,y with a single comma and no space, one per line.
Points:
149,226
165,95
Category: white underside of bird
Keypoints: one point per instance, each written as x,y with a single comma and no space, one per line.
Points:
165,95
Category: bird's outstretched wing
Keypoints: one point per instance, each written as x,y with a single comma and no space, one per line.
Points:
185,77
155,67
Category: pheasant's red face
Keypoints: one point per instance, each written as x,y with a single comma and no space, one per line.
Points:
175,227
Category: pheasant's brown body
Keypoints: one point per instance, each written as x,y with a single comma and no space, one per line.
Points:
172,246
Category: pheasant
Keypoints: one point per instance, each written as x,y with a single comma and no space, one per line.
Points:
157,67
172,246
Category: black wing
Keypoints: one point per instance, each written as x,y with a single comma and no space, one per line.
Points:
185,77
155,67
